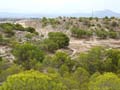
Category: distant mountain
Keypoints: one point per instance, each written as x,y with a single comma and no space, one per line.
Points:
103,13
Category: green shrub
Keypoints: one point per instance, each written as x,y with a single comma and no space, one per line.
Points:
30,29
19,27
102,34
26,52
49,45
78,33
33,80
60,38
107,81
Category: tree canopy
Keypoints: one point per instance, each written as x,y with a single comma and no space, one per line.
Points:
33,80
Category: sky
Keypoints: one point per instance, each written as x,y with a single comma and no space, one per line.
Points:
58,6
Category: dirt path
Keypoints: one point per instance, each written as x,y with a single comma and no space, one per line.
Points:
83,45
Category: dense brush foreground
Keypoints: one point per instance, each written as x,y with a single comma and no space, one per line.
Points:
60,54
